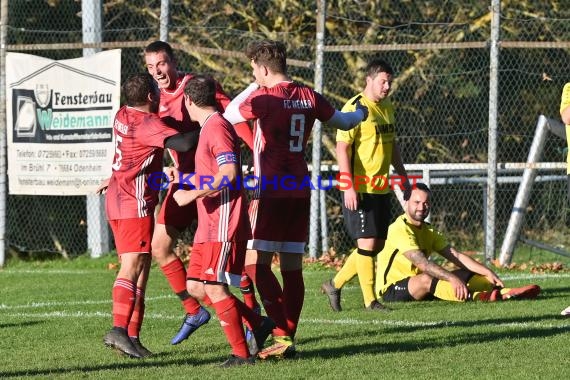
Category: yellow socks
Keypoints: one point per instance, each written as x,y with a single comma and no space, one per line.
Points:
362,263
347,272
365,268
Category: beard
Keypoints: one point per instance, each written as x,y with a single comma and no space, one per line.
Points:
419,216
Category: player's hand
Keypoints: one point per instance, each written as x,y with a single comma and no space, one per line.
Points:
494,279
363,108
172,174
102,189
461,291
351,199
184,197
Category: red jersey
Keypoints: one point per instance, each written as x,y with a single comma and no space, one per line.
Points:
222,216
284,116
174,113
139,147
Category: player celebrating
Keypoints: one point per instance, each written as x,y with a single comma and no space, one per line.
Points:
173,219
283,112
140,138
220,241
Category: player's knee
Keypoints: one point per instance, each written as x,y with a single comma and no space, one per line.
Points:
161,251
216,292
195,289
424,282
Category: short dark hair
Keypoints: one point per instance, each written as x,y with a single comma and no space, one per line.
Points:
201,89
137,87
272,54
418,185
160,46
376,66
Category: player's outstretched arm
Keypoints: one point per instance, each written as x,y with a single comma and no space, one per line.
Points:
463,261
348,120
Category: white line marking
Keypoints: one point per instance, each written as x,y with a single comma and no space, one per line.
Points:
425,324
82,314
34,305
52,271
534,276
311,321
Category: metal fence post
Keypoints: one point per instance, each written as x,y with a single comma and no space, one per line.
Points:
97,230
164,18
523,194
316,158
324,220
492,145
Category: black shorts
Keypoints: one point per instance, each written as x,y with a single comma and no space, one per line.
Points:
371,219
399,292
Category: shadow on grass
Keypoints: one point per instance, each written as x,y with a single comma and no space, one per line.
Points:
19,324
461,338
126,363
516,328
476,323
555,292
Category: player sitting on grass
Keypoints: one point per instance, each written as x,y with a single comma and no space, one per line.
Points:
404,272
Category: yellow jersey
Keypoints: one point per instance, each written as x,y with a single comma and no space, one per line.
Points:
392,265
371,144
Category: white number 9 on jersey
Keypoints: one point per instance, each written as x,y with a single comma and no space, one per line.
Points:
297,133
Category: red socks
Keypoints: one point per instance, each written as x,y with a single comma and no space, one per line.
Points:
138,315
293,297
123,302
271,296
230,320
175,273
248,292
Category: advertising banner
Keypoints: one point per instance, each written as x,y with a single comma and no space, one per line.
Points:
60,122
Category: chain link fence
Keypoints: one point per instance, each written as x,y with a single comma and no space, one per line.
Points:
441,93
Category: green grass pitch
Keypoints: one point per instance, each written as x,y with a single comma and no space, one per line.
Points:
53,315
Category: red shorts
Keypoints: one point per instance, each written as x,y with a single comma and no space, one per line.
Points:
217,262
132,235
279,224
170,214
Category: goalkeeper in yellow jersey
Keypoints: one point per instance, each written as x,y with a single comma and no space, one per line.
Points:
404,272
